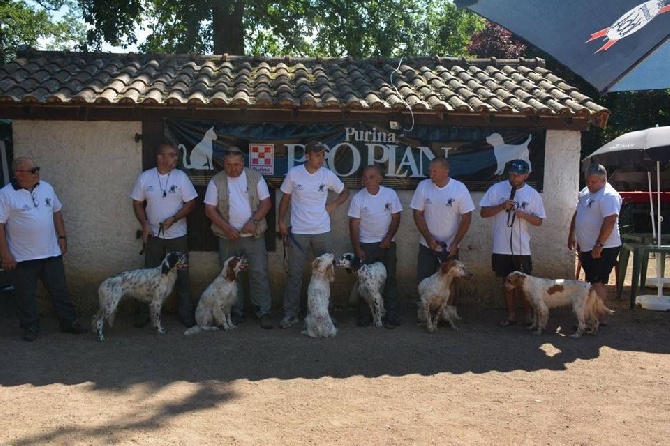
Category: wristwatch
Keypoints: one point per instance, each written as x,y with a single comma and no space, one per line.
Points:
599,245
174,218
254,221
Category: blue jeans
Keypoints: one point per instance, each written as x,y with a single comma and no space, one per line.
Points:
259,284
52,274
298,248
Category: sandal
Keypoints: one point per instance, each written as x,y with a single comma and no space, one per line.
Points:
506,323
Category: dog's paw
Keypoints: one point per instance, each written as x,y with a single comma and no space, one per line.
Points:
161,331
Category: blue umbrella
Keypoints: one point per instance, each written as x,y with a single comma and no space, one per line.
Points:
615,45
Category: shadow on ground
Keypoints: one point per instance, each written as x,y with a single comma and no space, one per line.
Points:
131,356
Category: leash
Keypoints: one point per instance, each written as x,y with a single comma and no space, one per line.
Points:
288,240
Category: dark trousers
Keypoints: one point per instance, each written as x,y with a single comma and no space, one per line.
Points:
154,252
52,274
373,253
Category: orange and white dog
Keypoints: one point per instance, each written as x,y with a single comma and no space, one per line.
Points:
216,302
544,294
434,293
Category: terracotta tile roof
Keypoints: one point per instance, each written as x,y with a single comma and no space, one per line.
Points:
489,86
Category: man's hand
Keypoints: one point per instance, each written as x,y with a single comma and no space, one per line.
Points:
8,262
248,228
283,229
62,244
572,242
360,253
146,232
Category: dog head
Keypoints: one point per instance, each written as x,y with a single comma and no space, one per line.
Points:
324,265
233,266
348,260
455,269
174,259
515,280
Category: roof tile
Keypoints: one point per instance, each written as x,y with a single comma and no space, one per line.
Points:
522,86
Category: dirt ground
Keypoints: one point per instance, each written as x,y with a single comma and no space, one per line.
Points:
481,385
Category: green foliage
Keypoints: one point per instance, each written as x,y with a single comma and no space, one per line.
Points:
36,23
294,28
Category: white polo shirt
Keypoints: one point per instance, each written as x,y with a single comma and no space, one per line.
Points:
309,192
165,195
375,212
29,222
442,208
505,224
591,210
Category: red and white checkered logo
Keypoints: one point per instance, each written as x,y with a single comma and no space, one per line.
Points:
262,158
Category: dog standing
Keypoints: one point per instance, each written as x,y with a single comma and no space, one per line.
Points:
508,152
318,323
152,285
544,294
371,279
216,302
434,293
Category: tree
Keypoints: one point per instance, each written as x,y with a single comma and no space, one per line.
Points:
292,27
39,22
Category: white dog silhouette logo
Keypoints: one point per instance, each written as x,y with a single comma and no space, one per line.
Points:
508,152
201,155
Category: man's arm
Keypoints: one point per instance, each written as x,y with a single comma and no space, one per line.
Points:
530,218
605,231
213,214
422,226
342,198
463,227
393,228
181,213
490,211
261,212
59,223
283,209
8,261
572,240
355,235
140,214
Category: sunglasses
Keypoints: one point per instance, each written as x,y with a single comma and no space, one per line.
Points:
34,170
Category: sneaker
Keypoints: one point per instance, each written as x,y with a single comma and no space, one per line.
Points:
237,319
288,321
73,328
265,322
30,334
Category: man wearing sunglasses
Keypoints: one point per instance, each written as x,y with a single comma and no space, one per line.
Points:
515,206
32,243
170,197
237,200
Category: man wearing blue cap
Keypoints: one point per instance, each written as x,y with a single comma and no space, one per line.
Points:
515,207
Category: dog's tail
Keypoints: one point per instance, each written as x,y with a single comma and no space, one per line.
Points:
597,303
193,330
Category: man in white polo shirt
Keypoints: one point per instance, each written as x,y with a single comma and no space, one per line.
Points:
374,217
306,189
442,214
515,207
595,228
170,197
32,243
237,201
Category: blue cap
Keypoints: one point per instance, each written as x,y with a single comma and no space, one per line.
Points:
518,166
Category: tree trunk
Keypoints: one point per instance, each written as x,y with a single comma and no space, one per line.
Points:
227,26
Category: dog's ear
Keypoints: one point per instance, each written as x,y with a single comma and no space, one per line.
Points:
230,268
165,265
356,263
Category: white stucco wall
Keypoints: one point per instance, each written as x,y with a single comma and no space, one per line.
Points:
93,166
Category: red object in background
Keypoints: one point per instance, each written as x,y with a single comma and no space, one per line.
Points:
643,197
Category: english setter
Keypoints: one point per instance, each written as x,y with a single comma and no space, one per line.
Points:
544,294
318,323
434,293
216,302
371,279
152,285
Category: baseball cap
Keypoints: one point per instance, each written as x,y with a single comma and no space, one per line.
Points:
518,166
314,146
